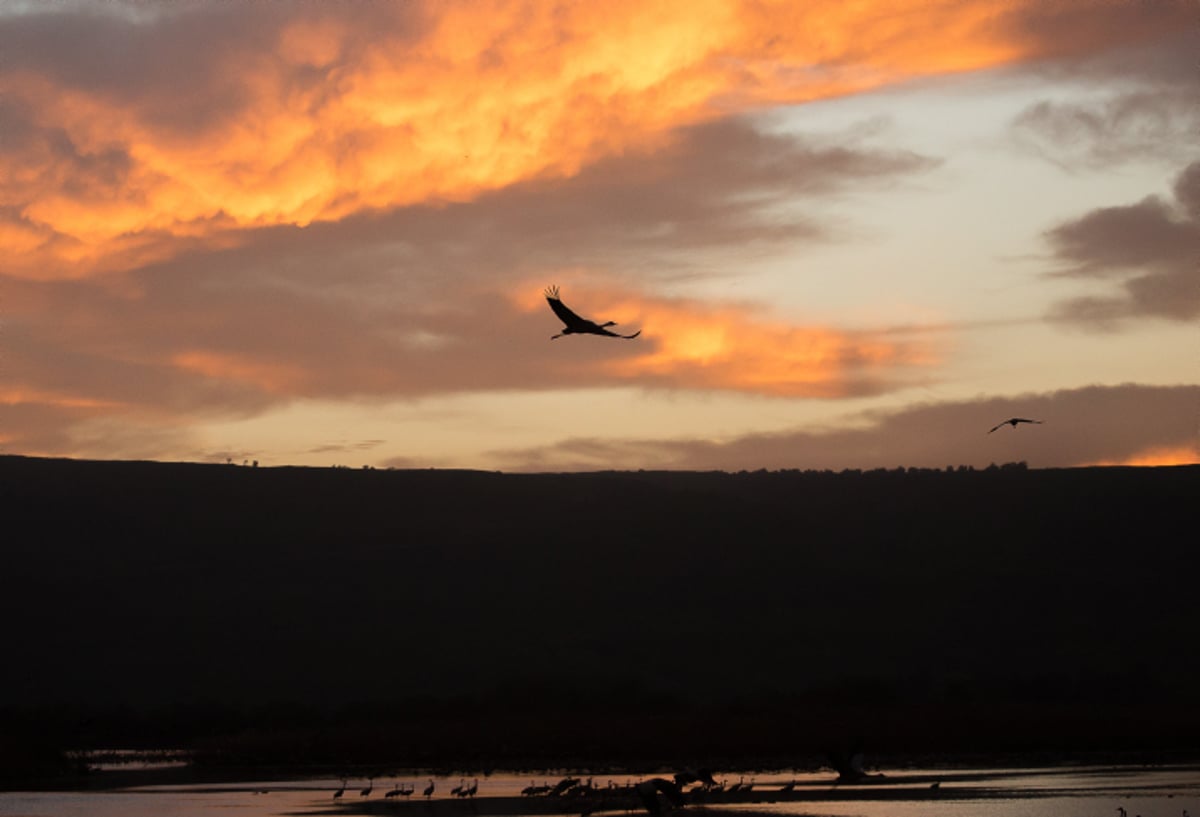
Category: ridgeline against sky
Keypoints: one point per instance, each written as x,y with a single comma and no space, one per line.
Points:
464,616
854,235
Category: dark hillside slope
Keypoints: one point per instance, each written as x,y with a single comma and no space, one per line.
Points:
889,600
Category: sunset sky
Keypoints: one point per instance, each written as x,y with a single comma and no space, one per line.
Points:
853,234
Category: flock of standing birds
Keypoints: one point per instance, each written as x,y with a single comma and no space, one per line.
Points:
461,790
576,325
656,795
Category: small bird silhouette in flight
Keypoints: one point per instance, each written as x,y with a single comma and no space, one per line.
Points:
576,325
1012,421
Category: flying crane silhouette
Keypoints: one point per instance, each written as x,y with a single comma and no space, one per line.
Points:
1012,421
576,325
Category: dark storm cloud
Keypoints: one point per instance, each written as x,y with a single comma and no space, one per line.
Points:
1099,424
1148,251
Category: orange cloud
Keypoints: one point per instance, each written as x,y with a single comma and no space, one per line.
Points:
726,348
687,344
15,396
438,102
1159,455
268,377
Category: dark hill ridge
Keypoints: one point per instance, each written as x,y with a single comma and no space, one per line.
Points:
533,613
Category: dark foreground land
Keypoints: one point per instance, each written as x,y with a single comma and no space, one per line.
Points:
293,617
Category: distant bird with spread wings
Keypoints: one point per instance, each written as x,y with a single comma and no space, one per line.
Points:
576,325
1012,421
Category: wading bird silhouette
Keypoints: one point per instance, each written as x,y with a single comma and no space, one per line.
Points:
564,785
428,789
849,766
1012,421
370,786
576,325
340,791
688,776
648,791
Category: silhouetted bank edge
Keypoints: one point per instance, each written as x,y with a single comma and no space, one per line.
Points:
853,606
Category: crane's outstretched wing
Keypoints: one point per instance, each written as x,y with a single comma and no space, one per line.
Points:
564,314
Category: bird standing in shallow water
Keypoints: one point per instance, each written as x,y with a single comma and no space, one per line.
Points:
648,790
576,325
1012,421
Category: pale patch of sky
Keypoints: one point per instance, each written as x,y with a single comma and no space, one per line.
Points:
961,242
454,431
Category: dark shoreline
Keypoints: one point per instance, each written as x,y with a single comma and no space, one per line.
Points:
896,772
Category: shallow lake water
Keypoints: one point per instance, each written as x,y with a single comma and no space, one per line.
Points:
1169,791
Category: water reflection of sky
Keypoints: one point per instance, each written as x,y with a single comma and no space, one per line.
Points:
1073,792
